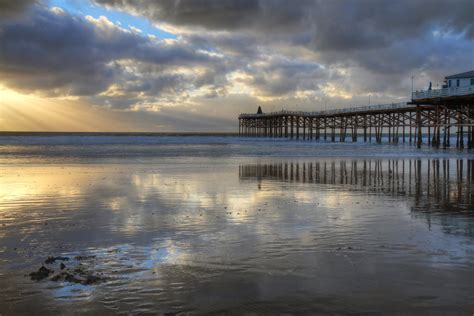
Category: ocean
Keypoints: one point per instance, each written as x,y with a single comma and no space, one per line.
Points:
217,224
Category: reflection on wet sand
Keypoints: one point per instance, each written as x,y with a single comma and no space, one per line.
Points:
244,236
442,185
433,187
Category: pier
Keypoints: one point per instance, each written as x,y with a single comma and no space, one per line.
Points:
436,117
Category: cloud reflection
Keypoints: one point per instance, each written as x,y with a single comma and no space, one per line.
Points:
177,230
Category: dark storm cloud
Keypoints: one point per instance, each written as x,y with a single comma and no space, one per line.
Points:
372,39
327,25
219,14
12,8
51,51
280,77
59,54
259,48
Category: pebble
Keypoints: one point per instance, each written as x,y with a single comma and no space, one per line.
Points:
40,274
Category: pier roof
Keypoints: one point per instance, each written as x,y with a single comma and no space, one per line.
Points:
467,74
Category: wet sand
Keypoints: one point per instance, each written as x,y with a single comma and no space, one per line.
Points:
228,233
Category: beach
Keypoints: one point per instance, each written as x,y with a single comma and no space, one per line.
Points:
213,224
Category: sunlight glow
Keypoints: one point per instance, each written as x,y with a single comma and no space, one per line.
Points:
28,112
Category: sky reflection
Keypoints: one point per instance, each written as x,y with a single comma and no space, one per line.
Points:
176,230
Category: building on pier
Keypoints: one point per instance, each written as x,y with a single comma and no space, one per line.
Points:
465,79
454,85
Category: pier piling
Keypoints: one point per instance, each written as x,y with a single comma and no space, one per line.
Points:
412,122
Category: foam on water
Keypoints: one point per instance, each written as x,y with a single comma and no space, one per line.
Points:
57,148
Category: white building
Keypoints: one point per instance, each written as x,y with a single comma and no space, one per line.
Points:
455,85
464,79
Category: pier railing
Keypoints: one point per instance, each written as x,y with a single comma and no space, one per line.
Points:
426,115
359,109
445,92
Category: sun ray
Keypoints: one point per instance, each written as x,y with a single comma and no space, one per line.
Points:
28,112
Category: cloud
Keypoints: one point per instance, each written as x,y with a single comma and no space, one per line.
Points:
12,8
328,25
236,54
395,38
219,14
55,54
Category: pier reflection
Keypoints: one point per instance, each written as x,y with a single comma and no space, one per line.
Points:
431,185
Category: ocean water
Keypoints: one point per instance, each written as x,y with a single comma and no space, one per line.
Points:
221,224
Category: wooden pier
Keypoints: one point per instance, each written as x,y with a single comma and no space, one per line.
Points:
434,117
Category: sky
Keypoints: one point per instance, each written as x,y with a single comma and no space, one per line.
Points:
195,65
